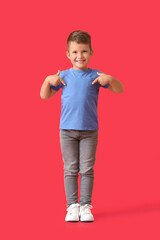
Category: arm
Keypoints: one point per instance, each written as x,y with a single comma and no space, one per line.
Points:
46,92
115,85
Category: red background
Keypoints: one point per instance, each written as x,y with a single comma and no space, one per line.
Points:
126,196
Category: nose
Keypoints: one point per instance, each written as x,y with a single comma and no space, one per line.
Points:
80,55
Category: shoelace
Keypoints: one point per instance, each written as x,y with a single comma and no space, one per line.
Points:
70,208
86,208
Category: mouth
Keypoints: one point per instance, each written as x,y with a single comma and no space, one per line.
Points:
80,61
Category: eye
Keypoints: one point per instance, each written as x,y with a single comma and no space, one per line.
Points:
74,52
84,51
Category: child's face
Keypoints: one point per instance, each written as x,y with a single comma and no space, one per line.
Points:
79,54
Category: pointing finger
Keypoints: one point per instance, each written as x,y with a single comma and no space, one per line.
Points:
99,73
62,81
96,80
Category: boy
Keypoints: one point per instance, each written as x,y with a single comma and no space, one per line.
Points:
78,123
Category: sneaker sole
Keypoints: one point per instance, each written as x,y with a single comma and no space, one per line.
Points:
88,221
72,220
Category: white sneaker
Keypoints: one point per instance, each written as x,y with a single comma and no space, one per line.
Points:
85,213
73,213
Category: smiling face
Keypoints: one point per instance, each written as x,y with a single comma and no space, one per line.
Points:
79,54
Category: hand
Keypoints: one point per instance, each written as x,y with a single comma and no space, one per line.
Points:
103,79
55,80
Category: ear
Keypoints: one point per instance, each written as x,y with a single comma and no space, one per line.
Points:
92,52
67,54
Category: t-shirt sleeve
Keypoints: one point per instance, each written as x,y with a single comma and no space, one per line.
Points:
107,85
57,87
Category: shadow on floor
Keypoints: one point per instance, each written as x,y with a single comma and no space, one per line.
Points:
131,210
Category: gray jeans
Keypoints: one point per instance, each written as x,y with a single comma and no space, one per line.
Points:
78,151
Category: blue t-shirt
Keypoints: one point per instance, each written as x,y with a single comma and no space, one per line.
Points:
79,99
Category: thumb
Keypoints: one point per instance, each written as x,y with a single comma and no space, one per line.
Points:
58,73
